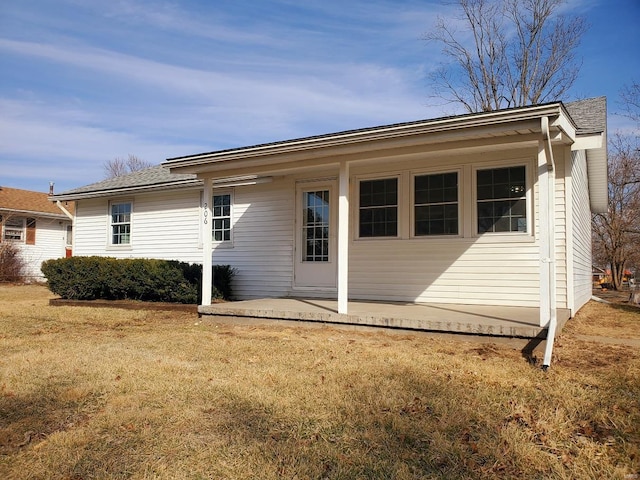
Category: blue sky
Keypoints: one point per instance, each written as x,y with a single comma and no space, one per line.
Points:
85,81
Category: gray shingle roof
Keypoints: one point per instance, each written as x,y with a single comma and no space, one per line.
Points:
153,176
590,114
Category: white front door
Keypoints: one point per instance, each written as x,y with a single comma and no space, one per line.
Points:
315,262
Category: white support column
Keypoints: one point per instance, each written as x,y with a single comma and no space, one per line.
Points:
207,242
544,234
343,238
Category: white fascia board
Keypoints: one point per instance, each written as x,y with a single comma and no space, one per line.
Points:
189,164
565,125
31,213
124,191
588,142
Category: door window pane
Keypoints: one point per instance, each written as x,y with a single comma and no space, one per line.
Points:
315,226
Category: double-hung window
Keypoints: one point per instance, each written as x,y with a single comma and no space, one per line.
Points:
378,208
502,200
121,223
221,221
436,204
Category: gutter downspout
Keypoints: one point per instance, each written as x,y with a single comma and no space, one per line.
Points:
64,210
553,317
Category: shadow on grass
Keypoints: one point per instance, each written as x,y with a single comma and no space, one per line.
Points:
28,419
424,431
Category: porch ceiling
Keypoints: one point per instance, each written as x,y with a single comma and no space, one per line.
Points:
468,319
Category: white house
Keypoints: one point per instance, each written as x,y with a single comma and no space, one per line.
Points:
487,209
41,230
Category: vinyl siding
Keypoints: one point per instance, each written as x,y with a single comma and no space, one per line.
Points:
582,263
455,271
262,251
164,225
50,242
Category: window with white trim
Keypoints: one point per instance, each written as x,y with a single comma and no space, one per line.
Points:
436,209
221,219
13,229
378,208
120,213
501,195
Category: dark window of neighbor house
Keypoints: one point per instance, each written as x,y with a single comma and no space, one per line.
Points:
436,204
222,218
13,229
121,223
501,200
378,208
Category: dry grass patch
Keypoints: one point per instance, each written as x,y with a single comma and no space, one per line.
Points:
599,319
103,393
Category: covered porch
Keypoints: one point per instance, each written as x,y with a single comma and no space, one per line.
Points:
523,322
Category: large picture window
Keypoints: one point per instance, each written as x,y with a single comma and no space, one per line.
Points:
502,200
121,223
378,208
222,218
436,204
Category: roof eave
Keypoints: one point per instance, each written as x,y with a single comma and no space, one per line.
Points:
190,164
109,192
33,213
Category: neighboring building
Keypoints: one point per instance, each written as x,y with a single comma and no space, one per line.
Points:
490,208
42,230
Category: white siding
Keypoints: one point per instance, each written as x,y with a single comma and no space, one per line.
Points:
489,270
50,243
455,271
581,225
164,225
262,251
561,226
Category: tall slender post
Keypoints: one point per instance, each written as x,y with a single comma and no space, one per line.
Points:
544,235
207,242
343,239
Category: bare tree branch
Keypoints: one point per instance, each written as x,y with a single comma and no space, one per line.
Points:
523,53
118,166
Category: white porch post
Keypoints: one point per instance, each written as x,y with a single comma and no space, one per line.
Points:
207,242
544,235
343,238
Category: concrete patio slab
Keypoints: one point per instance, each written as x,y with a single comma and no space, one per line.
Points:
469,319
